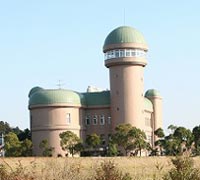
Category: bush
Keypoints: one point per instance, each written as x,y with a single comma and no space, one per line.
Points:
183,169
108,171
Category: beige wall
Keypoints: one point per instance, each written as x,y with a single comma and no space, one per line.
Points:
48,123
127,101
100,129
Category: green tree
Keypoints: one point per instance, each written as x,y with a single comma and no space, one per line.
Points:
26,148
138,138
46,149
160,142
196,135
112,149
12,145
93,141
172,128
159,133
25,134
70,142
129,138
184,138
121,138
5,127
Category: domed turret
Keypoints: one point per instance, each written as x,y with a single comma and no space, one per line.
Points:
39,96
125,37
125,55
152,93
126,45
156,99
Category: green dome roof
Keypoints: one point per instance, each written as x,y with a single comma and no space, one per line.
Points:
124,34
152,93
39,96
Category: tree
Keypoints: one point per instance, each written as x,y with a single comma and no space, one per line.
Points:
138,138
12,145
5,127
70,142
196,135
25,134
46,149
159,133
26,148
93,140
112,149
129,138
160,142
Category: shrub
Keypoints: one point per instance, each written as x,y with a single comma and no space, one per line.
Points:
108,171
183,169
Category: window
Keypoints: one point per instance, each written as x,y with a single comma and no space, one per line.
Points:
87,120
102,120
109,120
117,53
95,120
68,118
121,53
148,121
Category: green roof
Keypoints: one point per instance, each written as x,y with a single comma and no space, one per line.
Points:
152,93
97,98
39,96
148,105
124,34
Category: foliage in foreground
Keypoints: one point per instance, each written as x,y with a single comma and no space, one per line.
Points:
108,171
183,169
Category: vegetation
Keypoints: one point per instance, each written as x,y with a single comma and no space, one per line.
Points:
46,149
79,168
126,168
70,142
126,138
15,148
93,141
108,171
179,141
183,169
129,138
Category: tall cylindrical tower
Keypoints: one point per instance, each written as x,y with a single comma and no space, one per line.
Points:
125,56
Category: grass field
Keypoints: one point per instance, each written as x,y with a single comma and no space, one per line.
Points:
144,168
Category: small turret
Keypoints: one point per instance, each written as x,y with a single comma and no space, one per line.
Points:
156,99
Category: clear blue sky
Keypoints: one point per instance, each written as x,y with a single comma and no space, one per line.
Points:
42,42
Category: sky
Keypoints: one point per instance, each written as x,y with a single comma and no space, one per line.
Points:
42,42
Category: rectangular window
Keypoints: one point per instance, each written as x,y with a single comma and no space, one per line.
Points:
87,120
148,122
128,52
117,53
121,53
102,120
109,120
95,120
68,118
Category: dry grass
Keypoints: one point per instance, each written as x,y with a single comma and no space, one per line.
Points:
144,168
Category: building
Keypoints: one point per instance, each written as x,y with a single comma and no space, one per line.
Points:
53,111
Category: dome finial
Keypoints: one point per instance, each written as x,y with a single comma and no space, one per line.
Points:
60,84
